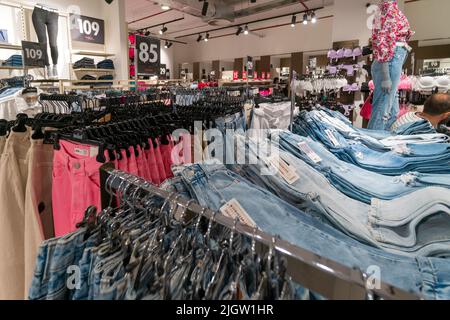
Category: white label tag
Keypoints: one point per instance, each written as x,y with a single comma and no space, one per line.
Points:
286,171
81,152
309,152
332,138
233,210
93,151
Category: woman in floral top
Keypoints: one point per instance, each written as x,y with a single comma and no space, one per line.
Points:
390,36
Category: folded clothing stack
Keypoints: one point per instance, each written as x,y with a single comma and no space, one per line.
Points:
106,64
14,61
88,78
85,63
107,77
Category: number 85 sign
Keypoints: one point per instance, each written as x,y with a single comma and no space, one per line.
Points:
148,55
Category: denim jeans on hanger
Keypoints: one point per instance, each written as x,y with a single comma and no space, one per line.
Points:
214,186
385,106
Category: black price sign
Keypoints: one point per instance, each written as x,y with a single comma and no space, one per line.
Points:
434,64
162,72
87,29
250,68
33,54
148,55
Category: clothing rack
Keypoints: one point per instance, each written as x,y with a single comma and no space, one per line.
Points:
320,275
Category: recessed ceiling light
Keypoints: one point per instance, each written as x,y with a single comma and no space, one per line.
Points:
165,7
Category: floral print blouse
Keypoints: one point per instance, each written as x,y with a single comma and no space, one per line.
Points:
390,27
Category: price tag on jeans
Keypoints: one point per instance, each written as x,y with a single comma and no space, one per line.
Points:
286,171
309,152
33,54
332,138
233,210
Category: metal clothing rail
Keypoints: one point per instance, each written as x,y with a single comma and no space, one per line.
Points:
323,276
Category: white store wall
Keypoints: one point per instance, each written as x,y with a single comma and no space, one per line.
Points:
430,20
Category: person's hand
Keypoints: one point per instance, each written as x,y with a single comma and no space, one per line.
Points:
386,86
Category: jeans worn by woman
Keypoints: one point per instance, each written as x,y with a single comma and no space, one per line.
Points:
386,107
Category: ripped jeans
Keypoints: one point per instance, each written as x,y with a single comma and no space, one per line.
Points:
386,107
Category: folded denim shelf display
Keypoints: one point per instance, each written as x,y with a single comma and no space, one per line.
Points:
386,160
14,61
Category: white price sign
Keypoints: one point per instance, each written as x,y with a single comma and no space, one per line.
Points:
87,29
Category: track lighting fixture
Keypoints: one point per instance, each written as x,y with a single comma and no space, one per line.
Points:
164,29
199,38
239,31
169,45
313,17
147,33
205,8
246,30
166,45
294,21
207,37
305,19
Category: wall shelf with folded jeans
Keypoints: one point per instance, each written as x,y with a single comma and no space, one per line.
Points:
94,70
93,53
8,46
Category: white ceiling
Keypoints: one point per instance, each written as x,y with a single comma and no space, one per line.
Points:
142,14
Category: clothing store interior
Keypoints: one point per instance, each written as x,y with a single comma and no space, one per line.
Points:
224,150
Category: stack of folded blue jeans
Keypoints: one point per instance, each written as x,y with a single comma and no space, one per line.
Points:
214,186
106,64
106,78
85,63
388,157
352,180
88,78
380,224
14,61
417,127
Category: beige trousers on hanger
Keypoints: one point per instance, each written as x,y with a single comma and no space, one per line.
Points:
13,176
2,144
38,204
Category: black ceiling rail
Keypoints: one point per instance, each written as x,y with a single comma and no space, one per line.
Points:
251,22
161,24
150,16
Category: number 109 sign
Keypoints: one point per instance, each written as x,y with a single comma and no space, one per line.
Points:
87,29
148,55
33,54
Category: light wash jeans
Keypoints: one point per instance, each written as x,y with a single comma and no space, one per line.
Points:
214,186
358,183
385,106
381,224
